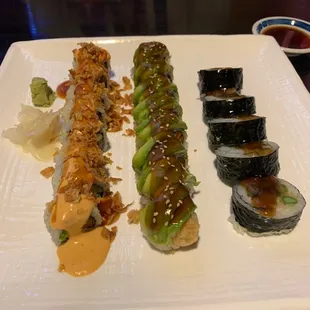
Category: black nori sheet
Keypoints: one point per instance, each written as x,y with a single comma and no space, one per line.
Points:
235,133
233,169
220,79
242,105
257,223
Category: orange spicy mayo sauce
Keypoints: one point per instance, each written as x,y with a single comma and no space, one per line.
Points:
61,90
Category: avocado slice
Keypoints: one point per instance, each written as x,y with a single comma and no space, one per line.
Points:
150,86
172,107
162,172
155,101
145,70
154,127
152,151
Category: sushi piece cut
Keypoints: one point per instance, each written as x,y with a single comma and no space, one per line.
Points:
247,160
143,113
152,126
170,213
163,172
267,206
149,52
146,71
219,107
217,81
236,130
162,145
150,86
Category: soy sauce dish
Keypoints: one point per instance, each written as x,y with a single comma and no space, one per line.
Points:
292,34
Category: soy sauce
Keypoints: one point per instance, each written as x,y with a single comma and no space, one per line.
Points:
288,36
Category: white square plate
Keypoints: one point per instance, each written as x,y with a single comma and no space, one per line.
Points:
226,270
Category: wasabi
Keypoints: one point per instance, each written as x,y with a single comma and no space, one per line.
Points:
42,95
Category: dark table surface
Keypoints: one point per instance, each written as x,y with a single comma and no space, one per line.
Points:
36,19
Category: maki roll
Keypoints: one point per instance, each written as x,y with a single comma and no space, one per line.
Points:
167,217
235,131
221,107
266,206
247,160
220,81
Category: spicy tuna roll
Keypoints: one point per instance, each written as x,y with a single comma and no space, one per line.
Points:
228,106
220,80
247,160
266,206
236,130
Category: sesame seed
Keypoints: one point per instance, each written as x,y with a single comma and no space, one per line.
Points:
172,166
152,169
172,216
153,152
151,110
163,151
176,169
178,204
165,146
167,202
166,178
168,136
165,196
155,213
150,163
162,166
167,125
154,220
168,158
156,146
180,201
161,127
165,140
170,205
171,192
164,156
166,224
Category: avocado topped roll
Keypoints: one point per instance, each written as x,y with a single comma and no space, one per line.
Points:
168,219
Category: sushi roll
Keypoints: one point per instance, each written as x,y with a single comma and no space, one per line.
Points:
247,160
220,81
221,107
236,130
266,206
167,215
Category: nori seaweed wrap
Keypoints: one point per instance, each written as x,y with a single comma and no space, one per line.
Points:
235,131
247,160
220,79
221,107
267,206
